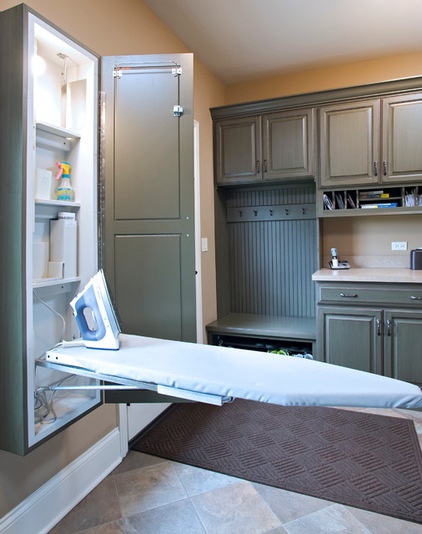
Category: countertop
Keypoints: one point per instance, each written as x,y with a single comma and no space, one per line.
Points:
404,276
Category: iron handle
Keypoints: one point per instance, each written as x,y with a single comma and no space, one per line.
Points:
349,295
376,168
388,327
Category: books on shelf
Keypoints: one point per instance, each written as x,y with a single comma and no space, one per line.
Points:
380,205
364,195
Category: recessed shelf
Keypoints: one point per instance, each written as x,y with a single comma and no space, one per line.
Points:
380,201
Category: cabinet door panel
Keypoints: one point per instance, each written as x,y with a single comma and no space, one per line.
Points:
146,160
149,253
350,337
402,133
349,143
238,150
288,144
403,356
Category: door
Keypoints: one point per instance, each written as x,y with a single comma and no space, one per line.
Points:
351,337
288,144
148,220
403,336
402,132
238,150
349,143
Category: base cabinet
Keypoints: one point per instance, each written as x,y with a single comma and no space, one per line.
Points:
350,337
361,326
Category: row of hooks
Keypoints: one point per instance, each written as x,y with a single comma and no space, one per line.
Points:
271,213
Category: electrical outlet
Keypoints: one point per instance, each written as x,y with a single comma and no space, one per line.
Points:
399,245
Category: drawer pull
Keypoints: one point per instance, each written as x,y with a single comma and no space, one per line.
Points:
415,298
378,327
349,295
388,327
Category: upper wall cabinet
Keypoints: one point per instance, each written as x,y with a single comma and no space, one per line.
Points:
371,141
401,135
272,147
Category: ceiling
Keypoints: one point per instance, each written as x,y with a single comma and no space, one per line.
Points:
242,40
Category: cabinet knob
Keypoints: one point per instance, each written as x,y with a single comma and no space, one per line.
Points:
257,166
413,297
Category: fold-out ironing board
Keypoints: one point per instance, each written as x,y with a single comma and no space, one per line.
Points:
218,374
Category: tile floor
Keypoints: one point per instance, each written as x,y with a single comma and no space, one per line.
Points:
148,495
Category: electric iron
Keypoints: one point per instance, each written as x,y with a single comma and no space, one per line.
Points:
95,315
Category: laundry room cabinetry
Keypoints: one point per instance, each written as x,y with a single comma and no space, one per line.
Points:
51,105
373,141
259,148
374,327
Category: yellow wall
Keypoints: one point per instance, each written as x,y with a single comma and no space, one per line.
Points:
334,77
112,27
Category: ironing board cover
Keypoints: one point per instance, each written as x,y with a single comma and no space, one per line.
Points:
240,373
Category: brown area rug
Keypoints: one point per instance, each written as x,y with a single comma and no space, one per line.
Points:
358,459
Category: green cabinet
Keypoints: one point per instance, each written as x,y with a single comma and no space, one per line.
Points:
371,327
275,146
371,141
350,337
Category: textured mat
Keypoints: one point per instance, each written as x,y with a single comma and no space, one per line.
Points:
358,459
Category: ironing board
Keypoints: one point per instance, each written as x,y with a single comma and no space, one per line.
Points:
216,375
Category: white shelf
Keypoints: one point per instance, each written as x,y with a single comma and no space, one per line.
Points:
51,136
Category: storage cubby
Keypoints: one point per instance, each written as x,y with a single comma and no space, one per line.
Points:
362,201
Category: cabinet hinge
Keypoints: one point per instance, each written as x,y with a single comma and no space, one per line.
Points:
117,73
177,71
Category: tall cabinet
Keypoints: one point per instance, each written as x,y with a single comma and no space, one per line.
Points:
49,106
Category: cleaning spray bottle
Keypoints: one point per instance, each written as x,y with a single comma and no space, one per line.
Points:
65,190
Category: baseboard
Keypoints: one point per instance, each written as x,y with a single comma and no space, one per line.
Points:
51,502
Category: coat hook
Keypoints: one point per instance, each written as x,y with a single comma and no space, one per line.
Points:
303,211
287,211
240,213
255,212
271,212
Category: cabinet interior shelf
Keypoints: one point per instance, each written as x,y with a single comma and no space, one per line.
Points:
52,136
62,284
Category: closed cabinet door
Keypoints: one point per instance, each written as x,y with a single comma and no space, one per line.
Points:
402,134
403,338
288,144
148,224
351,337
350,143
238,157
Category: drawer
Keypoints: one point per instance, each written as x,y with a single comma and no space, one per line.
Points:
383,294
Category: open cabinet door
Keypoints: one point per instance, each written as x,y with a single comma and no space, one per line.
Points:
148,174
